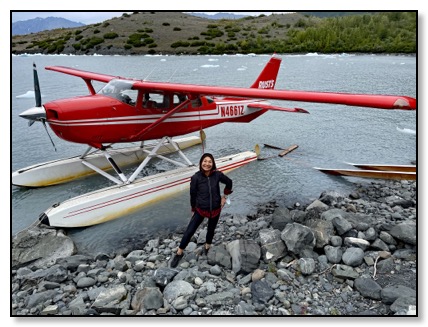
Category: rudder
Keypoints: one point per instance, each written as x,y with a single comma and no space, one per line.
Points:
267,78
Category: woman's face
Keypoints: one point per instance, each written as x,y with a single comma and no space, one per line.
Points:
207,164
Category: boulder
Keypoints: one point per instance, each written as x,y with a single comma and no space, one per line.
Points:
41,247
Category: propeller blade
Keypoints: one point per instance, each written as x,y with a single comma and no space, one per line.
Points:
37,87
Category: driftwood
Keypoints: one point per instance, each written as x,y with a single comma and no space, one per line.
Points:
273,146
282,153
288,150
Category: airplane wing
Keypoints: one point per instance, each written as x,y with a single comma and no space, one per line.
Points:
82,73
350,99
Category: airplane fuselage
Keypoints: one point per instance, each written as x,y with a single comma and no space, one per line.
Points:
99,119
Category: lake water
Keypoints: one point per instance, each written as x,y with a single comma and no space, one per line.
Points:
329,136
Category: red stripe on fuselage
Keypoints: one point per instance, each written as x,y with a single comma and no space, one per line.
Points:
119,131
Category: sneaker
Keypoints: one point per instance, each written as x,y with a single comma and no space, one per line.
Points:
176,260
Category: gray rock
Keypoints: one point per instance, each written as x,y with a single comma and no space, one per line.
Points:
73,262
357,242
344,272
280,218
368,288
333,254
112,300
245,255
392,293
136,255
85,282
306,265
261,291
378,244
405,232
245,309
56,274
219,297
298,238
77,306
164,275
273,248
403,304
177,288
323,231
149,298
342,225
41,247
218,255
353,257
180,303
39,298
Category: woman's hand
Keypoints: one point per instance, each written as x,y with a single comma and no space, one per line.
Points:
223,201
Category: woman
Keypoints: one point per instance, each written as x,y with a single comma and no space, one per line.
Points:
206,201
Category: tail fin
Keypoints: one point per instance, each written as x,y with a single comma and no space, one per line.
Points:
267,77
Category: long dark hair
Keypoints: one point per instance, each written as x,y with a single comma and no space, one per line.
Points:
214,167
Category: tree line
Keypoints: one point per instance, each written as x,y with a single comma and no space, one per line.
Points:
392,32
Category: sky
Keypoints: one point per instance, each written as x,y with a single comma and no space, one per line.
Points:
92,17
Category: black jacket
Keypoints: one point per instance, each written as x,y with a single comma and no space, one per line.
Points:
205,190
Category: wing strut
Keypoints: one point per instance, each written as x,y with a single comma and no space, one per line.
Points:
153,153
160,120
164,142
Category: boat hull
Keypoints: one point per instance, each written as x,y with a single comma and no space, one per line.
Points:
113,202
66,170
376,174
398,168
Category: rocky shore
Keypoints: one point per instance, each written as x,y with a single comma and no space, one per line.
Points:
351,254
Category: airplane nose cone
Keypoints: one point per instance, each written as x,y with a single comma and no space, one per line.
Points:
35,113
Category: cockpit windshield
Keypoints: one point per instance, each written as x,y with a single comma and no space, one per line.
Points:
121,90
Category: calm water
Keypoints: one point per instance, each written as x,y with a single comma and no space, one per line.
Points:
330,136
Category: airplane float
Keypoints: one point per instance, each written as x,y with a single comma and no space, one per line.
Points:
129,110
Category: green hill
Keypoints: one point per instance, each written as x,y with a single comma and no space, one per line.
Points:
180,33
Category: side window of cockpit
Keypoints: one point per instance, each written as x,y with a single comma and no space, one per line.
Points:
196,103
153,100
129,97
179,98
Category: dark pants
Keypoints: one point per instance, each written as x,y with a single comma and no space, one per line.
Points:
194,223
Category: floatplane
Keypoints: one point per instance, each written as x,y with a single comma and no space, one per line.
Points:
128,110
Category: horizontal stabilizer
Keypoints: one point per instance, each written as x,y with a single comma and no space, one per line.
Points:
270,107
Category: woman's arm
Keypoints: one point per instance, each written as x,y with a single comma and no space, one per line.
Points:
229,184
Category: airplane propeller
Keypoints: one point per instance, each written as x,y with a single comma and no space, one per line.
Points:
38,112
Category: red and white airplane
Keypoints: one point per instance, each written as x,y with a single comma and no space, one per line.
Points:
129,110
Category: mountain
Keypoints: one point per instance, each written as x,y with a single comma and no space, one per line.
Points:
42,24
166,32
